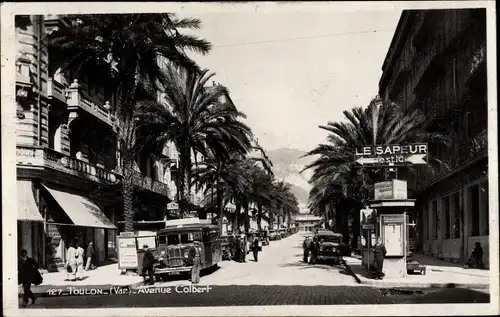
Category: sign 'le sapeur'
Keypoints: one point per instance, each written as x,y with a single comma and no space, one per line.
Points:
380,155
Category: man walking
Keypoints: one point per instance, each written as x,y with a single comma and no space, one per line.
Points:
195,256
147,265
27,275
255,248
90,255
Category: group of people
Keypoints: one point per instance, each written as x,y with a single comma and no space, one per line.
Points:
311,249
243,245
75,260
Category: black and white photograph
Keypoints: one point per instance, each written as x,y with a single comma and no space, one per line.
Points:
249,158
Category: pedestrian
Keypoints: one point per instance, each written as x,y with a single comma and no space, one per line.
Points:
379,253
147,265
90,256
314,250
237,249
255,248
79,261
477,256
27,271
243,250
194,254
71,265
305,247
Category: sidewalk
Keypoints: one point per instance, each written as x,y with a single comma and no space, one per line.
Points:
102,277
440,274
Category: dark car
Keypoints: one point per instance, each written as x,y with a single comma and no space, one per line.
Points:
331,246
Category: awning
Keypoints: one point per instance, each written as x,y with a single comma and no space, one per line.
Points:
27,210
80,210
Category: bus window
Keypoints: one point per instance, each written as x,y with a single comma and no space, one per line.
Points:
173,239
206,236
162,240
190,237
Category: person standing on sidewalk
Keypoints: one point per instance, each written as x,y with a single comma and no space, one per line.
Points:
243,248
314,251
28,274
305,247
379,253
79,261
90,255
71,266
255,248
195,256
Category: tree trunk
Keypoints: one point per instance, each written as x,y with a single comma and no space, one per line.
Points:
237,214
127,192
220,205
259,216
184,184
247,218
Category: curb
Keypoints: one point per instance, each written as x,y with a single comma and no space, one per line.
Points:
381,284
79,290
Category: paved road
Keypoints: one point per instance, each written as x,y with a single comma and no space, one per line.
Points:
280,263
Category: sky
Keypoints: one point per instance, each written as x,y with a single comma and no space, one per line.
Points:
290,72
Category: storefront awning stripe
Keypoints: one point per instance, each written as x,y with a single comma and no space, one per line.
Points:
27,210
80,210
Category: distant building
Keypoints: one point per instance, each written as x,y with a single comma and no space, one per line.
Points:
306,222
437,63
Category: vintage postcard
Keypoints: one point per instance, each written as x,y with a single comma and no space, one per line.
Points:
249,158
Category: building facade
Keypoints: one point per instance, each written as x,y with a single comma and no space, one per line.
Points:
68,158
437,63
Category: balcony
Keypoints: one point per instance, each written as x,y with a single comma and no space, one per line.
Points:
56,90
469,152
79,99
32,157
146,183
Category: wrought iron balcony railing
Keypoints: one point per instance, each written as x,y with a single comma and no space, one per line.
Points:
29,156
147,183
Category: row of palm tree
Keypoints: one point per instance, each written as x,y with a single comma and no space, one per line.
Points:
137,56
340,188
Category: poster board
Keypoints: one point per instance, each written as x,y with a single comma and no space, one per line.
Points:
393,234
127,252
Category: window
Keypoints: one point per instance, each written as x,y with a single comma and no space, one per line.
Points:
455,212
446,209
190,237
473,202
173,239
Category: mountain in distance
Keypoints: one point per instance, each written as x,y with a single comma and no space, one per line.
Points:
287,164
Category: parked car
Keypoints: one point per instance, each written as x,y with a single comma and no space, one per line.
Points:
274,235
331,246
264,237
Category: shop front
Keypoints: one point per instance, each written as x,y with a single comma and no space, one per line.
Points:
71,217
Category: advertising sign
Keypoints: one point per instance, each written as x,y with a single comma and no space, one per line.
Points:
127,253
173,206
395,189
392,155
393,234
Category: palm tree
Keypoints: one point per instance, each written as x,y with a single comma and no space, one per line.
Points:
122,52
196,118
261,190
226,175
335,173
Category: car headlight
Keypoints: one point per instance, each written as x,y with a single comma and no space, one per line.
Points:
186,255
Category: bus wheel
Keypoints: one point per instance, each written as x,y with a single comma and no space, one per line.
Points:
164,277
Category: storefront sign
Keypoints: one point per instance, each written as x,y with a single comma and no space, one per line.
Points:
393,218
127,253
392,155
172,206
395,189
